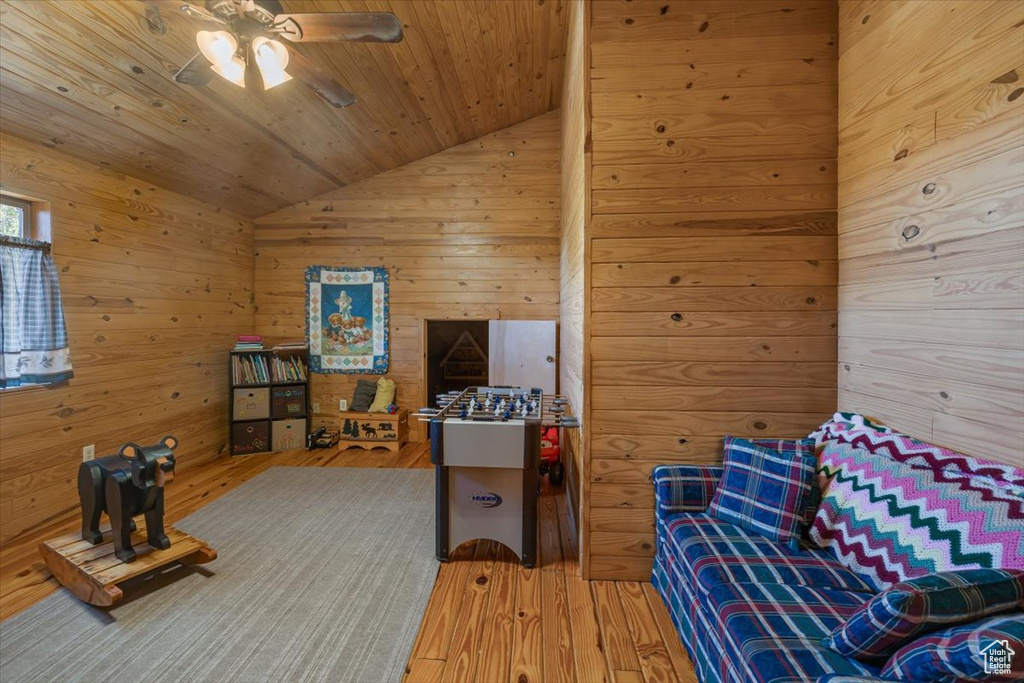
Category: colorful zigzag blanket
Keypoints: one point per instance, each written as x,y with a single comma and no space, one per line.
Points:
890,521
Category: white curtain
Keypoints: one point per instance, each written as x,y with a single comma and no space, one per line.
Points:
32,333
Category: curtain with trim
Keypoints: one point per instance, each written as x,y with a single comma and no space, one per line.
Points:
33,337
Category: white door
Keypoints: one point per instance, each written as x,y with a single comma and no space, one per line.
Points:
522,353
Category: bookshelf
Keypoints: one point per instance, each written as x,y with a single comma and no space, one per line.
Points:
269,407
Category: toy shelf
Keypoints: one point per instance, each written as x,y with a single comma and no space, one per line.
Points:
269,408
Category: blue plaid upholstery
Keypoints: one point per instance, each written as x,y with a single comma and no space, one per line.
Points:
702,564
776,631
761,633
798,448
959,653
684,488
713,553
690,488
917,606
764,490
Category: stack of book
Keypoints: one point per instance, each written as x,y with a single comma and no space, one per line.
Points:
249,342
249,370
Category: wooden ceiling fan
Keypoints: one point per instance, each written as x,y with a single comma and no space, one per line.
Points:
240,42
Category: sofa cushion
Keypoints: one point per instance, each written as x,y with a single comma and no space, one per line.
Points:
915,607
763,490
713,553
889,522
988,650
774,632
798,448
684,488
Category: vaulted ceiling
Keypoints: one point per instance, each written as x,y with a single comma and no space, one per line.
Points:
94,79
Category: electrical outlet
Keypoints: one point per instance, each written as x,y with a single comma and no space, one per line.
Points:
316,406
342,404
88,452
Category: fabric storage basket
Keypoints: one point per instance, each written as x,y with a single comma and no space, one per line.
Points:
252,404
288,402
249,437
288,435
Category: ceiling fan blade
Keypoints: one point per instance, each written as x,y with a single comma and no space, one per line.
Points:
323,85
196,72
193,11
328,27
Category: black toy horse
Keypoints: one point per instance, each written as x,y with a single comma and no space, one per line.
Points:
124,485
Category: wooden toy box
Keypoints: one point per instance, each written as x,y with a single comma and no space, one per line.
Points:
375,430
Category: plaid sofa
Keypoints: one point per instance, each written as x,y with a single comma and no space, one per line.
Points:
892,508
747,608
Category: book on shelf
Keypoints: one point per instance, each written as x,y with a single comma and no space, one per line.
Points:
291,369
291,346
249,370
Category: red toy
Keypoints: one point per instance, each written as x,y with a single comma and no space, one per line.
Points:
550,454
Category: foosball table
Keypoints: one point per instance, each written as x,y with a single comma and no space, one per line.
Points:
485,446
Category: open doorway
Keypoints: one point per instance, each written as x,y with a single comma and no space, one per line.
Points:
456,355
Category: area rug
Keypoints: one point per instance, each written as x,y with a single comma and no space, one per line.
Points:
323,574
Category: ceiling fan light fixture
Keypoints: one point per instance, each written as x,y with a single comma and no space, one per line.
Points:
271,58
233,71
219,47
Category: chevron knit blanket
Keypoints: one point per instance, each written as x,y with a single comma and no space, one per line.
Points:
874,437
890,520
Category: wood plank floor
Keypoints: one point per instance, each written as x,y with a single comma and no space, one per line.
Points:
488,619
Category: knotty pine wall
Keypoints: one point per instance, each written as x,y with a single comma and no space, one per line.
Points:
155,287
468,233
931,220
711,244
575,164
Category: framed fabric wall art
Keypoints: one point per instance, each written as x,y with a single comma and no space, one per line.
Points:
347,319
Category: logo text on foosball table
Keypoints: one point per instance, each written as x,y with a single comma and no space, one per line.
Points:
485,499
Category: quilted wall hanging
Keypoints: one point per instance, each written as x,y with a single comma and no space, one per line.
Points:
347,319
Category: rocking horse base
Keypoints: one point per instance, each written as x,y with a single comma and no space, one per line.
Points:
92,572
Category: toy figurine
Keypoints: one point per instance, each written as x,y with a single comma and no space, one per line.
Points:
125,485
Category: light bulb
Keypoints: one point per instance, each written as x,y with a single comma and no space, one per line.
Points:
233,71
272,58
217,46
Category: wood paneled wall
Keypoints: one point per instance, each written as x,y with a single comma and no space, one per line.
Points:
155,287
712,244
471,232
931,220
575,165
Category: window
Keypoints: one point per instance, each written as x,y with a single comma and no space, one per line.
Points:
15,217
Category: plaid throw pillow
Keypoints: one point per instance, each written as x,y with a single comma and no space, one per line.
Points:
795,449
989,650
918,606
764,491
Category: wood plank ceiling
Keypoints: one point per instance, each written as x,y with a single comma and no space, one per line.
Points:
94,79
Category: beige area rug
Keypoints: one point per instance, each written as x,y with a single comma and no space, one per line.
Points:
323,574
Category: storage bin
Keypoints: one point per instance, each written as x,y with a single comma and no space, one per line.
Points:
288,434
288,402
249,437
251,404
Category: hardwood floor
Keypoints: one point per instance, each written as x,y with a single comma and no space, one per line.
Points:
488,619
